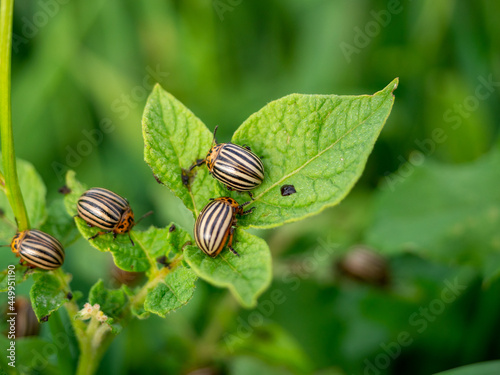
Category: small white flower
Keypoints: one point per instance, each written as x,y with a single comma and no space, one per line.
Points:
101,317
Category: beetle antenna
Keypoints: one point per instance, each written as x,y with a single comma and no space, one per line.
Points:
214,141
5,245
143,217
196,164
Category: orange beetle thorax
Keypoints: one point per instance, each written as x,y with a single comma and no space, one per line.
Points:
212,155
229,201
126,223
16,242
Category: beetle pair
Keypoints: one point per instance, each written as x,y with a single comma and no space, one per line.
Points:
239,169
98,207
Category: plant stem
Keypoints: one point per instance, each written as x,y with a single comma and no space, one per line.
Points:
13,190
91,351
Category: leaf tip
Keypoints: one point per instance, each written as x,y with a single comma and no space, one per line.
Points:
157,87
394,84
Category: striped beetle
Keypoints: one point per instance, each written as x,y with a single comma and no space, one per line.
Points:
104,209
216,224
38,249
235,166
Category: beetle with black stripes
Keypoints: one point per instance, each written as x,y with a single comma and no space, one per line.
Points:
235,166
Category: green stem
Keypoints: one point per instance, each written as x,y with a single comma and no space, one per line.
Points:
13,190
93,346
95,338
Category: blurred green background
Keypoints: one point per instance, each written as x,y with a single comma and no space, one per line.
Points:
428,200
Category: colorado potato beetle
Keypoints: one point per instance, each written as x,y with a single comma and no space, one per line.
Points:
235,166
106,210
364,264
216,223
38,249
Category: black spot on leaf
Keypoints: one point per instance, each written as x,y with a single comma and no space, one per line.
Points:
288,190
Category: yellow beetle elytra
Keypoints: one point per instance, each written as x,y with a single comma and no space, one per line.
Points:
38,249
216,223
104,209
235,166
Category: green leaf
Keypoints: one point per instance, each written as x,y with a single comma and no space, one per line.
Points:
47,294
34,191
125,255
447,213
166,241
167,288
484,368
174,138
173,292
317,143
247,276
335,135
272,343
111,302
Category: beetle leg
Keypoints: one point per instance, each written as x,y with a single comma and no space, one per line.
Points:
95,235
230,242
23,262
98,234
229,188
247,147
251,195
248,211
